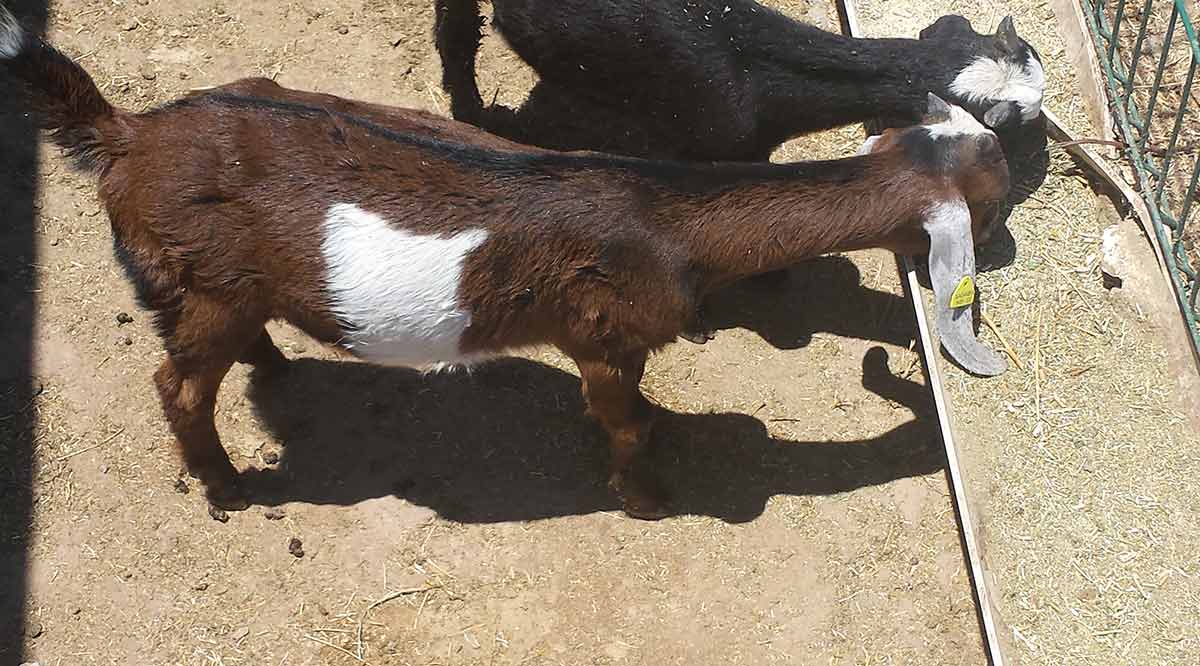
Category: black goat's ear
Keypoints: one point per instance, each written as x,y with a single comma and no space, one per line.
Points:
936,111
947,25
1006,34
1001,114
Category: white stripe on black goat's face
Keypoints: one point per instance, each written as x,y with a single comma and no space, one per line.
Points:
1002,80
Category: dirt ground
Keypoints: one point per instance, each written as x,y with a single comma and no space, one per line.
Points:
456,519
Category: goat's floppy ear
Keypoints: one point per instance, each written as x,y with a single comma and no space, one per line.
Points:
869,145
1001,114
1006,34
952,273
937,111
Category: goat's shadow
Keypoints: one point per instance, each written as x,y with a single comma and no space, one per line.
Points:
1025,150
508,441
821,295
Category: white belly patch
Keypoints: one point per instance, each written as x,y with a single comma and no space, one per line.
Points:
396,292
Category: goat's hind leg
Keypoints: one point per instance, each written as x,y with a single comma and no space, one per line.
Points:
264,356
188,390
206,340
614,399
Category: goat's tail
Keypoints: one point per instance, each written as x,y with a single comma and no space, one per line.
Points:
456,32
66,99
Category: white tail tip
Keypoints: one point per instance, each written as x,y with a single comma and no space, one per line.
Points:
12,36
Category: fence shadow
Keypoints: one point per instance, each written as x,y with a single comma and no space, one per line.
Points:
18,192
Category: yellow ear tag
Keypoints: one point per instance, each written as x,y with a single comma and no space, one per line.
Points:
964,293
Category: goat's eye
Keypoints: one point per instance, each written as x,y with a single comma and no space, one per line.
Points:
987,144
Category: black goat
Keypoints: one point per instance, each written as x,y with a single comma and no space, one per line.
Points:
720,79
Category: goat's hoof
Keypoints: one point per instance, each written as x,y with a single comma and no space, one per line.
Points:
698,337
644,509
643,499
226,497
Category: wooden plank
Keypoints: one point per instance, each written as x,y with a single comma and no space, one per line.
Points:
1077,40
966,523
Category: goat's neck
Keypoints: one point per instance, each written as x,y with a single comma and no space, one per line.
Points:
811,209
814,79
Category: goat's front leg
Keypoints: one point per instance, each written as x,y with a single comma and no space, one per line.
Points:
614,399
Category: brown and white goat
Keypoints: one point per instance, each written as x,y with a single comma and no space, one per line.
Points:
412,240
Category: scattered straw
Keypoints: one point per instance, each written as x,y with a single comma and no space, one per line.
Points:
396,594
1003,342
93,446
343,650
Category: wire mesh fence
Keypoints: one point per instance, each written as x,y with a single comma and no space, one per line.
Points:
1150,54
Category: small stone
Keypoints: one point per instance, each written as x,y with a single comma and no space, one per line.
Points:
181,486
241,633
104,468
54,243
201,586
274,513
183,74
914,561
124,318
35,629
343,29
270,457
124,341
218,514
296,548
147,72
298,348
74,610
127,574
131,24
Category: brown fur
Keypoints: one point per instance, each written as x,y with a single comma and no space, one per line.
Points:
217,204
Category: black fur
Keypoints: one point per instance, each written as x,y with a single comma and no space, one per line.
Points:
697,80
683,176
